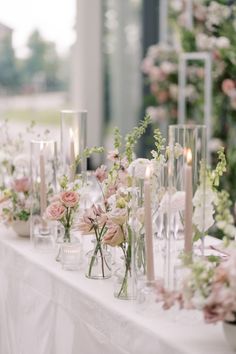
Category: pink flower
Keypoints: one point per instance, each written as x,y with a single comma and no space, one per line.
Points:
113,155
101,173
162,96
70,199
55,211
220,304
92,218
21,185
114,235
228,86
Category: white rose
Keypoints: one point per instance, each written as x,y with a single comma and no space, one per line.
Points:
203,218
138,168
168,68
222,42
174,202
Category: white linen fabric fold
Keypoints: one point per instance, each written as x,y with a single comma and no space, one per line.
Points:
46,310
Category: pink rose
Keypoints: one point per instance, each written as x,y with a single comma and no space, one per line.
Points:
21,185
55,211
228,86
101,173
70,199
114,235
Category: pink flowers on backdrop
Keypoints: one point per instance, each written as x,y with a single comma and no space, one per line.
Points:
21,185
228,86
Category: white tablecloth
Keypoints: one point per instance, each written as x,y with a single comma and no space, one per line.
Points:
46,310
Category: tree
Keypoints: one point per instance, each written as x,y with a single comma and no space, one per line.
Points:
42,64
9,76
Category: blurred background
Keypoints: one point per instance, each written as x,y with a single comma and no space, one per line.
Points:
119,59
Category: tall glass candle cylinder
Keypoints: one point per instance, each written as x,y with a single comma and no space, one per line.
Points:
186,183
43,187
73,142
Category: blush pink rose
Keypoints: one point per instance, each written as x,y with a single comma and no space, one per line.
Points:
21,185
70,199
55,211
228,86
114,235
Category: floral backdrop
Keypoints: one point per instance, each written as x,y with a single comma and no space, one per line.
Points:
214,26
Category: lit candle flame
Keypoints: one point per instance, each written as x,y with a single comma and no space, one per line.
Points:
41,147
189,156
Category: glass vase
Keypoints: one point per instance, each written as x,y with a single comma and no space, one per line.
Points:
124,282
43,187
73,143
99,262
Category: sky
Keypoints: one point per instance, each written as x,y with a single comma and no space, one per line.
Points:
54,18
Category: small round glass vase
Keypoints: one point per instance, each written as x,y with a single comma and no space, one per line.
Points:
124,283
99,262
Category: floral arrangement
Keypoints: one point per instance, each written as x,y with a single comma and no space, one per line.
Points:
109,221
209,286
63,207
15,201
214,24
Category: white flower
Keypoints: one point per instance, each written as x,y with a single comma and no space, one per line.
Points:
203,218
205,42
215,144
157,114
222,42
168,68
201,194
174,202
177,5
138,167
204,210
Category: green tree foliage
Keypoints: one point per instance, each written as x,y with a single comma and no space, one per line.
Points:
9,76
42,65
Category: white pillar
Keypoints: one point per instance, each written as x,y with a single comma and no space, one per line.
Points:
163,21
87,92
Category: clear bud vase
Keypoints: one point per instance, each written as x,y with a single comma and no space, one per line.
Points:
73,143
99,262
43,187
123,280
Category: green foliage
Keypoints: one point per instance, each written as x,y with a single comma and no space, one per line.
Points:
132,138
117,138
159,144
23,215
88,152
220,168
9,76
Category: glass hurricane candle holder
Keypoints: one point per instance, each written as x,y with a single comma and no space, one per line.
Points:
43,187
187,184
73,143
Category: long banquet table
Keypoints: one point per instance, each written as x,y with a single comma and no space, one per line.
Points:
46,310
